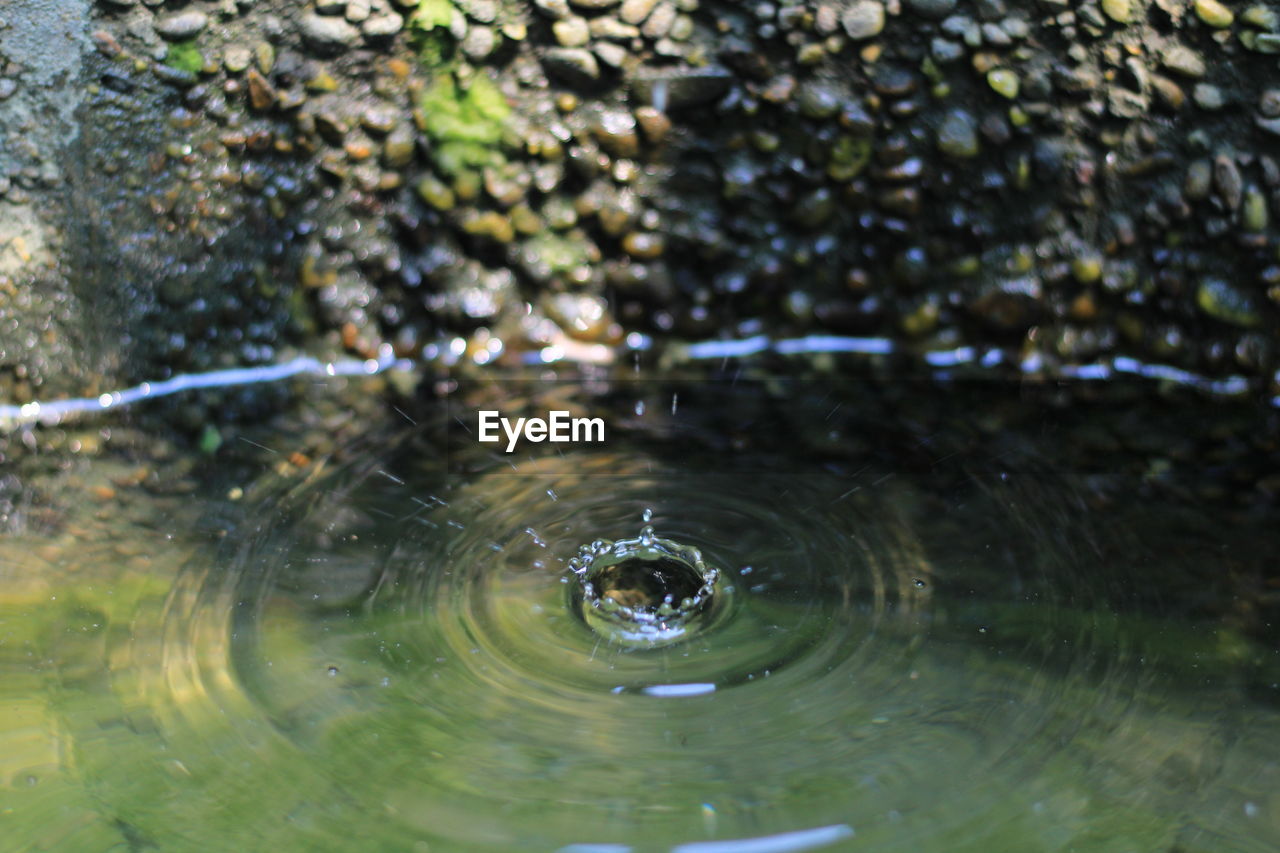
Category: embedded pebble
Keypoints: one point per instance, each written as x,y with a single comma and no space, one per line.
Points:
1120,11
1208,96
326,32
1003,82
183,25
863,20
819,99
571,31
236,58
554,8
572,63
957,135
1183,60
635,11
660,21
643,245
1199,180
1214,13
357,10
1269,103
935,9
382,26
1228,181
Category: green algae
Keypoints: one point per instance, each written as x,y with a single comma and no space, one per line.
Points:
185,56
467,125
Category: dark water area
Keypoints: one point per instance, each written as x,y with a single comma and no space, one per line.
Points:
946,617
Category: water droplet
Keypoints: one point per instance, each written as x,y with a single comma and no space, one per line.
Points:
645,592
639,408
333,670
648,515
920,584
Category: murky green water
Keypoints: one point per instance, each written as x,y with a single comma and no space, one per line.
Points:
917,641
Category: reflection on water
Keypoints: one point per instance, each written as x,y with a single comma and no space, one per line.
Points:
382,650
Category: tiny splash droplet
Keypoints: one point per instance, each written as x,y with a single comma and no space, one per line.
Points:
639,408
333,671
648,515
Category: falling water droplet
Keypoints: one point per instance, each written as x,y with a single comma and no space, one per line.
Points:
639,408
648,515
333,671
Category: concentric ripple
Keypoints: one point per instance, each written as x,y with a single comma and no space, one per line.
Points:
642,648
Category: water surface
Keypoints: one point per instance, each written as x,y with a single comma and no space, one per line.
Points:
934,632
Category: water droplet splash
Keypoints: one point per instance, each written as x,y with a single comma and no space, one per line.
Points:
643,592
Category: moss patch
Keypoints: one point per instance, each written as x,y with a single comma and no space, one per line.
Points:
185,56
466,126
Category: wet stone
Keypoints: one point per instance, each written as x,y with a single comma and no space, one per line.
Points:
643,245
571,31
945,51
635,11
1227,181
1208,96
1181,59
608,27
572,64
479,42
660,21
236,58
484,11
1003,82
1223,301
1199,181
261,94
357,10
863,20
1213,13
382,26
1120,11
616,131
957,136
1254,215
183,25
612,55
935,9
327,33
398,150
553,8
819,99
654,124
1269,103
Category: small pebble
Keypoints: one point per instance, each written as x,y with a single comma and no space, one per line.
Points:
863,20
571,31
1004,82
183,25
1214,13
